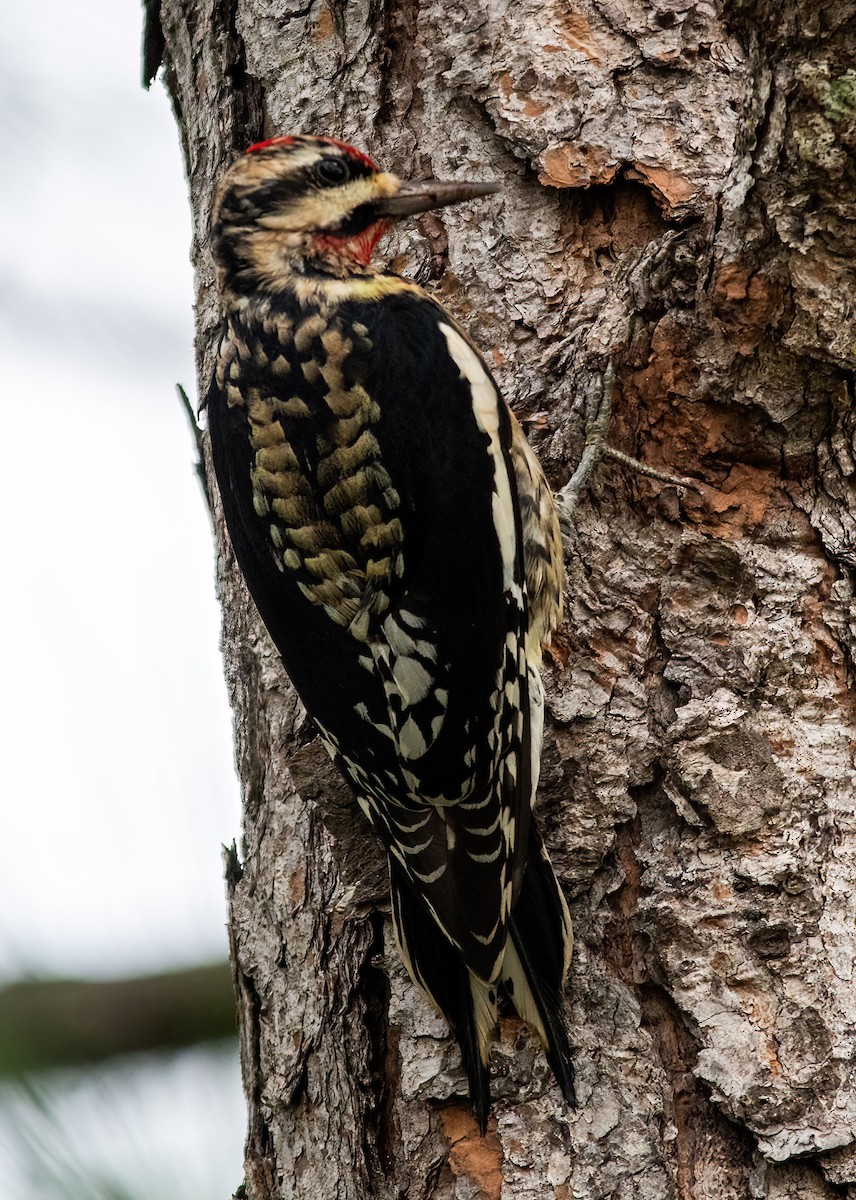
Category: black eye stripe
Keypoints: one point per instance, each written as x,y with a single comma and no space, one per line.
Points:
244,204
357,220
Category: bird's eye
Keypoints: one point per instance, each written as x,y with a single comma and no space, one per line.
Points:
330,171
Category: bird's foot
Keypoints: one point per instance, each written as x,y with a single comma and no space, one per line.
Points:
599,410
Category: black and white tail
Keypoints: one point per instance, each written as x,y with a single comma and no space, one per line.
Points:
535,966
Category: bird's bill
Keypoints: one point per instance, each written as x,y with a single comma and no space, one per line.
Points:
421,195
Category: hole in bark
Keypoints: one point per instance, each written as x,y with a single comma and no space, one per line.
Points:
607,220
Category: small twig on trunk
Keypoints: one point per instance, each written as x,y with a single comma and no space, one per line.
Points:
199,464
599,410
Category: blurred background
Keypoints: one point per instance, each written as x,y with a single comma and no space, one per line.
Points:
116,778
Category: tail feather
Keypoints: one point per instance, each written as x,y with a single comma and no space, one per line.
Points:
535,966
468,1004
537,959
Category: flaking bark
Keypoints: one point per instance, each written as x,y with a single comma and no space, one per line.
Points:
678,194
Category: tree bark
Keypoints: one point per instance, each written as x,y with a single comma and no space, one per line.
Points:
678,194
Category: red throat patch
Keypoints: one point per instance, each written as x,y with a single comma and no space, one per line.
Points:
358,248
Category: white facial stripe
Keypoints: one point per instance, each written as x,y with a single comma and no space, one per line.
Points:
324,207
486,408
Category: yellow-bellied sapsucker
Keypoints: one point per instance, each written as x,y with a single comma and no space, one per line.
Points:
400,542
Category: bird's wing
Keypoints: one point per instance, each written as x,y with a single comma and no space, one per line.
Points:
375,501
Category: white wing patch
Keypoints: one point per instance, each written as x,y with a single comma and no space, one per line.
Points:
486,409
404,658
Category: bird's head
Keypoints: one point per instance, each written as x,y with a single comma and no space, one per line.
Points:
297,204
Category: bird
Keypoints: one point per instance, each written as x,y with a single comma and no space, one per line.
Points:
400,542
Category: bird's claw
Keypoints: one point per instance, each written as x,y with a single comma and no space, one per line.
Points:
599,410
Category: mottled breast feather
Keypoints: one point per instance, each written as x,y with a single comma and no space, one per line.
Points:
319,487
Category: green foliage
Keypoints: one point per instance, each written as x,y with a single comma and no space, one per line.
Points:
62,1022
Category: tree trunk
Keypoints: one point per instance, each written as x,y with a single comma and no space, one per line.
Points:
678,194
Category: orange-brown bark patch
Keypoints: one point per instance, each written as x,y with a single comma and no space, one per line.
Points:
720,890
656,397
634,218
670,369
533,108
576,33
772,1058
570,165
661,419
613,221
513,90
669,189
740,504
477,1158
326,26
781,745
297,887
746,304
558,650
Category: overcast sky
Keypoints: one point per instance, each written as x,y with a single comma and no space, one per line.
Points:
116,780
116,760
